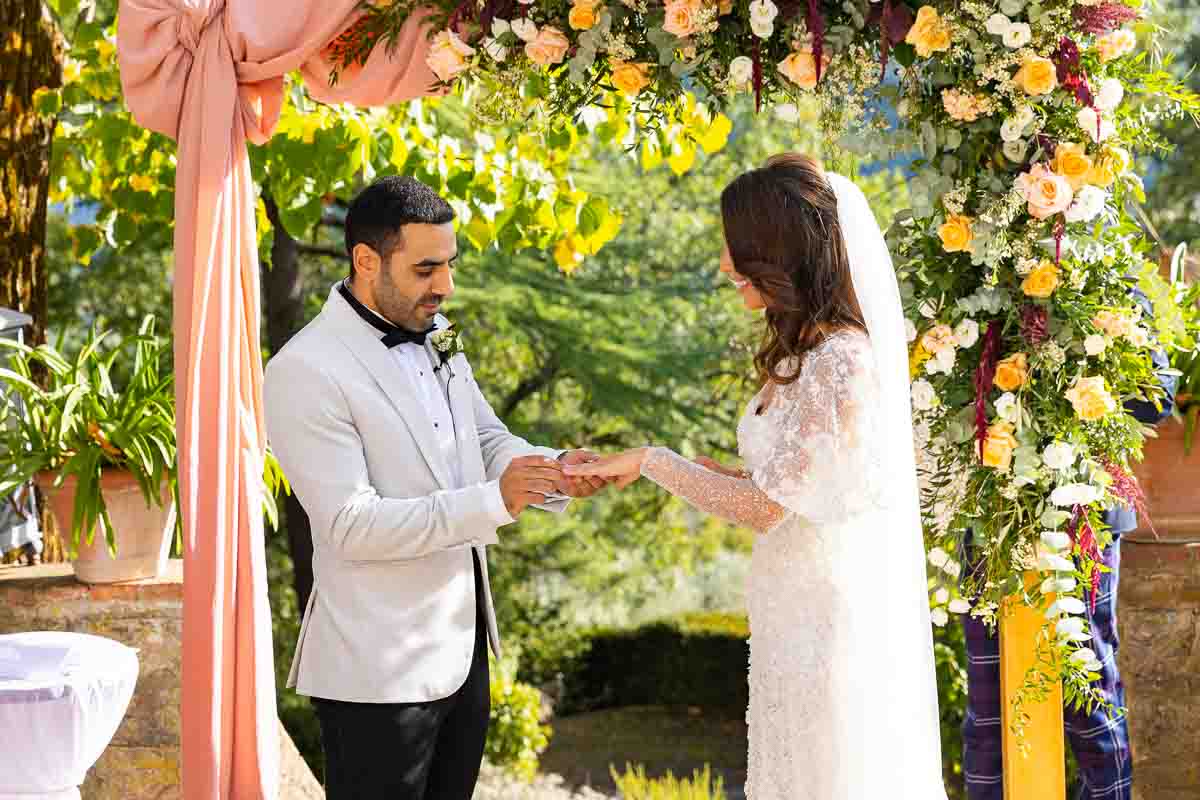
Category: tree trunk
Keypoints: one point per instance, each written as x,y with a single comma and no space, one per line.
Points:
31,56
283,298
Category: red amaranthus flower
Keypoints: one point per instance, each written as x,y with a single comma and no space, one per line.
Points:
1126,487
1033,324
1104,18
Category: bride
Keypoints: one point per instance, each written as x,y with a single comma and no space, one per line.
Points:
843,701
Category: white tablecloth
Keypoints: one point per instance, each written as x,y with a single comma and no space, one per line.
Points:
56,720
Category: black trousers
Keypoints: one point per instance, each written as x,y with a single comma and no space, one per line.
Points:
410,751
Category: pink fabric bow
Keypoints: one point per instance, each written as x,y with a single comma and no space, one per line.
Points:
209,74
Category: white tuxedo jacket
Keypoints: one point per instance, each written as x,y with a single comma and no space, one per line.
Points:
391,618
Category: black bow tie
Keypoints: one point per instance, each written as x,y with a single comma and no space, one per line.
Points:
393,335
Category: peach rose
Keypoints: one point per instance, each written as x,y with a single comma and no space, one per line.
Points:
1012,373
1046,193
683,17
1112,323
801,68
550,47
448,55
1072,163
938,338
956,234
1042,281
929,34
998,446
1091,399
1116,44
630,78
1037,75
583,16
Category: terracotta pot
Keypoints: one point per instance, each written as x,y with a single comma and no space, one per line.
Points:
1170,481
143,532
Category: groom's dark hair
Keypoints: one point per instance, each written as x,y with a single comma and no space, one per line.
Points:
378,214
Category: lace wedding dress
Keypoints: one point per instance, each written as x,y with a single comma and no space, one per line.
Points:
841,668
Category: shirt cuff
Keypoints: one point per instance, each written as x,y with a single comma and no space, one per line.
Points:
496,507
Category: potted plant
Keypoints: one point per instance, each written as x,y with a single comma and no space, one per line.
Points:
98,438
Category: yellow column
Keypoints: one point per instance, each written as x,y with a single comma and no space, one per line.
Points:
1040,773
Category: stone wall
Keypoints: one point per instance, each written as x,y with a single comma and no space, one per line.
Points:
1159,619
143,759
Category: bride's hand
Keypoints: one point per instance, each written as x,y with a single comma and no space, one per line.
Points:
622,468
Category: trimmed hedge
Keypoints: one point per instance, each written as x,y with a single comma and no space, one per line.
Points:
692,660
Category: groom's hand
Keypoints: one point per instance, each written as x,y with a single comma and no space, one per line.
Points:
580,487
528,480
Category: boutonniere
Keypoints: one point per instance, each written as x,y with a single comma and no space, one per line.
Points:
446,344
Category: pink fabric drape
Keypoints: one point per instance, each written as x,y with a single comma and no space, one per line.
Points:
209,74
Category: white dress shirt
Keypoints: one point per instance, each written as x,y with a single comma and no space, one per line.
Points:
414,361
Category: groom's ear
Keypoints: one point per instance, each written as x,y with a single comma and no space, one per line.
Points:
366,261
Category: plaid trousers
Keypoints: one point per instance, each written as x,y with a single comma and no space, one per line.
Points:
1100,744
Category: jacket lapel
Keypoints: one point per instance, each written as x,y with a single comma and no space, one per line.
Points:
363,344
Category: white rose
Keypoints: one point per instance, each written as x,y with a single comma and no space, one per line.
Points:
1095,344
924,398
1087,121
788,112
952,568
1012,129
941,596
998,24
1075,494
910,330
1006,407
1017,35
761,29
1110,94
938,558
1056,541
945,359
959,606
1087,205
525,29
763,11
966,332
497,51
1138,336
741,71
939,617
1015,151
1059,456
500,27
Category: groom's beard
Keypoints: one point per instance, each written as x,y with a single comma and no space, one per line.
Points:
402,310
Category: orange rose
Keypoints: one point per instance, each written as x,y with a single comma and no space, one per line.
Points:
998,446
1037,75
1012,373
801,68
630,78
683,17
583,16
1072,163
956,234
1042,281
929,34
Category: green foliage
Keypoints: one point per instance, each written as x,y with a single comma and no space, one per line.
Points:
87,420
516,737
690,660
634,785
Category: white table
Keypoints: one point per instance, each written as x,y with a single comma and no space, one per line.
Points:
62,696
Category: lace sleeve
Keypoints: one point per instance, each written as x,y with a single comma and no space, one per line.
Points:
737,500
819,462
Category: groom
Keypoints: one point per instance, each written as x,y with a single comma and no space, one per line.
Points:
406,474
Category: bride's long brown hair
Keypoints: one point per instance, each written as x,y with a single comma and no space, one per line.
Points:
783,233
